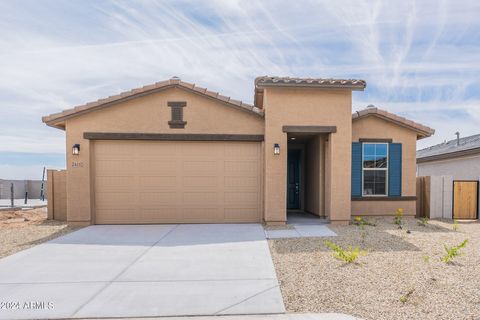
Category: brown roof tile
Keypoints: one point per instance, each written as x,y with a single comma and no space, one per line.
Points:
352,84
54,119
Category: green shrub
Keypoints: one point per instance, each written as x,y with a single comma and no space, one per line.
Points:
423,221
405,297
453,252
455,225
398,218
346,255
361,221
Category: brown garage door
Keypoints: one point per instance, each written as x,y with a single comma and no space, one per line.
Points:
177,182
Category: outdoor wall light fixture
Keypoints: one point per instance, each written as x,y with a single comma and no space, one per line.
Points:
276,149
76,149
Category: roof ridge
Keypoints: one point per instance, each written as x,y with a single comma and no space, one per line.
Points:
175,81
372,110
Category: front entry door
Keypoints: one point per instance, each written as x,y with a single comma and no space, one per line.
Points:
293,183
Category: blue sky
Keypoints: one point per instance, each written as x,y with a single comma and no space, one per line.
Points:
421,59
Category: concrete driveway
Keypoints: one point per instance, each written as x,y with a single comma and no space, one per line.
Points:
143,270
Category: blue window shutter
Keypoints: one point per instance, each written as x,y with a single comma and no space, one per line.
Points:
395,169
356,169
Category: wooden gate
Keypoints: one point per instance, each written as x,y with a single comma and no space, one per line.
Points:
465,199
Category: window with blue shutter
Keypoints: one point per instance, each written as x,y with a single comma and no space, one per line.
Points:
395,170
356,169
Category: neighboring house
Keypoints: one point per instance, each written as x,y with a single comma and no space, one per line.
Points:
173,152
452,170
459,158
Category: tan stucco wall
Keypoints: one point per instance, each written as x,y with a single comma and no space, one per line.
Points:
148,114
57,194
373,127
284,106
383,208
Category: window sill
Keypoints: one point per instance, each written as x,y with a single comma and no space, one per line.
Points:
384,198
177,124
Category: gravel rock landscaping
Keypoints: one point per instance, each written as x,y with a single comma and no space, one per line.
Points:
23,229
400,277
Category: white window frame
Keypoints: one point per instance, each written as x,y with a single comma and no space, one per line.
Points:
374,169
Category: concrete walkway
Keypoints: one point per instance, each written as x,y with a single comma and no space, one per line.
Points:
143,271
301,225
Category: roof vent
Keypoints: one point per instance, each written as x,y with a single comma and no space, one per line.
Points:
458,137
370,106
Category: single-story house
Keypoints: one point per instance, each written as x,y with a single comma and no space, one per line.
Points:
173,152
452,170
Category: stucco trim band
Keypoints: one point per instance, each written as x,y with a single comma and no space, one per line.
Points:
309,129
171,136
404,198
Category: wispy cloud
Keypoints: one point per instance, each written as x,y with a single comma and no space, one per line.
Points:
420,58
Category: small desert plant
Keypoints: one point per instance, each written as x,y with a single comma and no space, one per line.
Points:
405,297
363,235
455,225
349,255
423,221
398,218
453,252
361,221
426,258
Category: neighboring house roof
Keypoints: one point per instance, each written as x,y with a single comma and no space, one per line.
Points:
327,83
450,149
422,131
57,119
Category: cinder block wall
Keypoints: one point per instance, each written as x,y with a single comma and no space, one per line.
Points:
33,188
436,197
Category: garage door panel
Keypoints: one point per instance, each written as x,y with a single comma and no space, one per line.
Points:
156,182
241,198
144,151
118,150
241,182
196,214
115,167
175,182
158,215
116,216
156,167
153,199
115,200
201,150
243,214
200,168
200,198
249,168
115,184
241,151
203,182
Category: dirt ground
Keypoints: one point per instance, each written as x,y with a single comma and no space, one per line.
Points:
22,229
401,275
